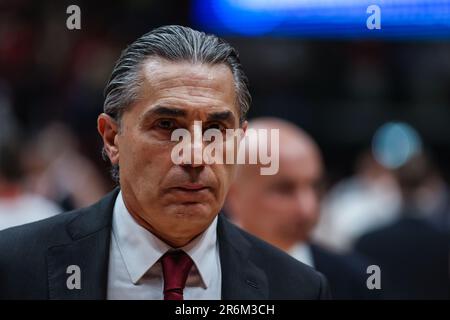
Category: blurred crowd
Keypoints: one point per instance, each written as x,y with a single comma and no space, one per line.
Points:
394,216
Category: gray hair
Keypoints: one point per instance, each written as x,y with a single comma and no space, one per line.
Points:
174,43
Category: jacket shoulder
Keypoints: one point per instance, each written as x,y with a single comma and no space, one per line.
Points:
56,229
31,235
25,249
23,263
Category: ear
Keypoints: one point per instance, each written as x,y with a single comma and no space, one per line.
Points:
244,127
109,130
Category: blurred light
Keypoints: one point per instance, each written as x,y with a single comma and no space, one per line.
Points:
323,18
395,143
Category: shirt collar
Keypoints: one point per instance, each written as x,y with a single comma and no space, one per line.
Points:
141,249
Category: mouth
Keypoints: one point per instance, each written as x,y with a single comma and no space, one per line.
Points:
192,187
191,194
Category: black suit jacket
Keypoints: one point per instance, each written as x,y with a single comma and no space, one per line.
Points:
413,257
34,260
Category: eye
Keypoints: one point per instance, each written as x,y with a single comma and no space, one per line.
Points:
165,124
284,188
215,125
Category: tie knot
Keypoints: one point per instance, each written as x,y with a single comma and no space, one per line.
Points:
176,266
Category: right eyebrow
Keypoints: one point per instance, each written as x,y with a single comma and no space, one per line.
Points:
165,111
161,111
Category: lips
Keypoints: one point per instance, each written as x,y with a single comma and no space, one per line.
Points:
192,187
191,193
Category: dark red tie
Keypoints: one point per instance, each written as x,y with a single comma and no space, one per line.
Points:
176,266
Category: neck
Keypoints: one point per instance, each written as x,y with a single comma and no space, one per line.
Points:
173,242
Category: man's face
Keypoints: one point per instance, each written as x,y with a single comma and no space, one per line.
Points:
285,205
176,202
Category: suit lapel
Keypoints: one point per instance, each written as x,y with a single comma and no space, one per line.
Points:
85,257
241,279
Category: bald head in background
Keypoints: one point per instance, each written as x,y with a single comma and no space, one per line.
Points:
282,208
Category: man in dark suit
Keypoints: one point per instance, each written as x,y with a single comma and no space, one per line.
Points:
159,235
283,209
346,273
413,257
412,253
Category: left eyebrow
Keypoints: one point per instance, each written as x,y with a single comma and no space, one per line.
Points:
221,116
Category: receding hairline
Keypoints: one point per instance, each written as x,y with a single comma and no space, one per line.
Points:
154,60
144,71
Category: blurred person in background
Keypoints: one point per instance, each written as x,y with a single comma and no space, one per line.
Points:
17,206
412,253
359,204
283,209
57,170
430,200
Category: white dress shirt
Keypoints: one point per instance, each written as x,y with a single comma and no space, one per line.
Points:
135,271
302,252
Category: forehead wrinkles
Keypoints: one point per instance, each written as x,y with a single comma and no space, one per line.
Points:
160,74
165,79
173,88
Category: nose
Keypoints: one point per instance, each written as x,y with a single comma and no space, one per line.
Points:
306,201
194,156
194,164
195,148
